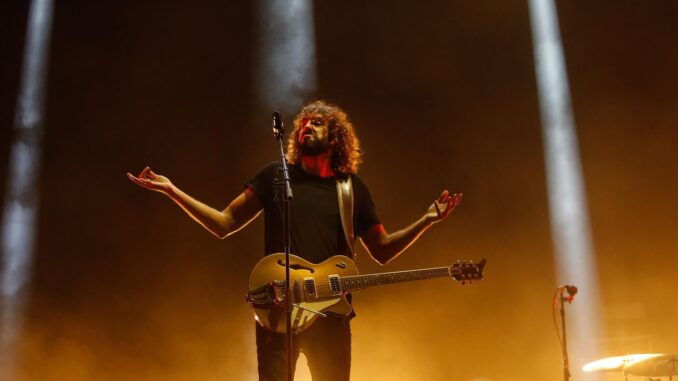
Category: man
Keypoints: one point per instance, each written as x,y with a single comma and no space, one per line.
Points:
322,148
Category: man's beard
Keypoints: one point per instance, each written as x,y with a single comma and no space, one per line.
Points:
313,147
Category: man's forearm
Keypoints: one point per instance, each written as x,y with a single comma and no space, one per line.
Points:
392,245
219,223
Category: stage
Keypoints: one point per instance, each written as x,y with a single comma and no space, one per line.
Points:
120,285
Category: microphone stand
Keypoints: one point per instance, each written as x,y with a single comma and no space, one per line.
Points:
566,360
279,132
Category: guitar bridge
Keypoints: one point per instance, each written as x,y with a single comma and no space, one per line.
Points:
272,294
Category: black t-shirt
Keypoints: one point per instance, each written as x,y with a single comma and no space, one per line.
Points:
317,232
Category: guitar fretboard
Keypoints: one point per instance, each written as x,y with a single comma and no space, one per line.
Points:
357,282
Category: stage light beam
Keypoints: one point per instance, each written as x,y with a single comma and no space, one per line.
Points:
286,74
22,197
574,258
287,61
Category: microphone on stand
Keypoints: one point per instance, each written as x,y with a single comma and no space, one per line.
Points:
571,291
560,297
278,132
278,128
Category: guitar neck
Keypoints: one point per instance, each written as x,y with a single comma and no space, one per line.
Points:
359,282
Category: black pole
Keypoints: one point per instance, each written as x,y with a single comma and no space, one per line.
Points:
279,132
566,360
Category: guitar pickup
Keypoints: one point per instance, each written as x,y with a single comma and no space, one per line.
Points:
335,285
309,288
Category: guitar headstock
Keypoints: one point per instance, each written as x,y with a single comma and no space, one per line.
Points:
467,272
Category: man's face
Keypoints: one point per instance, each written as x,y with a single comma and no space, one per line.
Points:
313,135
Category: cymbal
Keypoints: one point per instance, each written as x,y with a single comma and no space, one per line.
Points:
616,363
658,366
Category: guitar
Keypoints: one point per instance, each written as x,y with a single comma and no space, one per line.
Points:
318,289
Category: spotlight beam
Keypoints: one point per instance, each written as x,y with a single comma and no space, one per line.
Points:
286,74
22,197
574,258
287,62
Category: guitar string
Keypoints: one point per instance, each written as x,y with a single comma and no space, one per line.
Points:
388,278
326,289
406,274
374,279
368,280
381,279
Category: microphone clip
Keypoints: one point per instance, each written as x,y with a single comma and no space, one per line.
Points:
571,292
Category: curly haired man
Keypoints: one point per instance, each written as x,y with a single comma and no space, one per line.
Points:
322,148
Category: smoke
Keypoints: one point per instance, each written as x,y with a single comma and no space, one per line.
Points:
287,62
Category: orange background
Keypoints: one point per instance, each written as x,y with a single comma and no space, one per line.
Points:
443,95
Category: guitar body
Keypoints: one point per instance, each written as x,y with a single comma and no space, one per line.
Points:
314,289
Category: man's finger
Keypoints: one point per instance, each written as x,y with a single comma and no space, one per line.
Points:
443,196
136,180
450,206
457,201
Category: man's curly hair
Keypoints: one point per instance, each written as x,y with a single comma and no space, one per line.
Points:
346,153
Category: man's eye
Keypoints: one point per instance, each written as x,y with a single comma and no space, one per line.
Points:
317,122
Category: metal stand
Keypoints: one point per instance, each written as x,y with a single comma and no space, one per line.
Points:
279,132
560,296
566,360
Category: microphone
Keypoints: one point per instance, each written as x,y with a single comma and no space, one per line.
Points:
570,289
278,128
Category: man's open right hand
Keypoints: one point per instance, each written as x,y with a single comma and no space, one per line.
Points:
149,179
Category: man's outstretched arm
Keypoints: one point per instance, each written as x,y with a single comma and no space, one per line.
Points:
234,217
384,247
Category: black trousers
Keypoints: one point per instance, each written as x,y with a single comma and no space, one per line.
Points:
326,345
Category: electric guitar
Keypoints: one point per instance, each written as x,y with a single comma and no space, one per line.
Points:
318,289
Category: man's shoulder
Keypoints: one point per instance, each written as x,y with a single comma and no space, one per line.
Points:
357,181
269,169
273,165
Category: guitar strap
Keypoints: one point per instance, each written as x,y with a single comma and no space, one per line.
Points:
345,194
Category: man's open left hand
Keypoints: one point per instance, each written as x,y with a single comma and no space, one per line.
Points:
443,206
